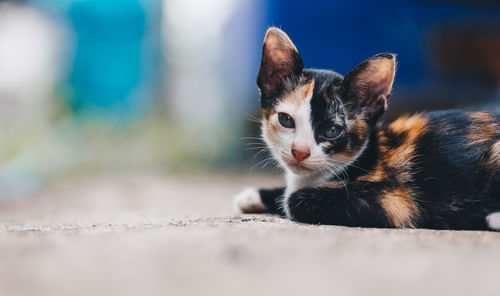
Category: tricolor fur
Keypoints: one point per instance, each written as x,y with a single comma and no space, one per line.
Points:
436,170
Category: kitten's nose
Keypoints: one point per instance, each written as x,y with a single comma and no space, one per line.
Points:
300,155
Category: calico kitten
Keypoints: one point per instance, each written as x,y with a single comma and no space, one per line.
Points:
437,170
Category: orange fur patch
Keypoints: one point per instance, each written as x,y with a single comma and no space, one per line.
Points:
308,90
326,98
413,125
359,127
356,127
334,184
267,113
399,158
495,155
297,96
348,154
483,128
377,175
267,122
399,208
411,128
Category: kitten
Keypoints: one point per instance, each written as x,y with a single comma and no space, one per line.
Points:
437,170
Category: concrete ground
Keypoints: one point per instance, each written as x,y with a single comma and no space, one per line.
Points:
152,234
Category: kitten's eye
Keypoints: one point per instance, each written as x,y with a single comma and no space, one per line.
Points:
331,133
285,120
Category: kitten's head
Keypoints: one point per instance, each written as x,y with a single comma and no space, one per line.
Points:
317,120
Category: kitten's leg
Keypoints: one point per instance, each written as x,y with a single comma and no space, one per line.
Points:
335,206
259,201
273,200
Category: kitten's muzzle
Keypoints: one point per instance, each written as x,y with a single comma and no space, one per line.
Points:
300,155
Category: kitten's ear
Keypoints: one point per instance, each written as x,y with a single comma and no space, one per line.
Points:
280,61
370,84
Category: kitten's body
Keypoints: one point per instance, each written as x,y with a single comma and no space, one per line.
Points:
433,170
446,176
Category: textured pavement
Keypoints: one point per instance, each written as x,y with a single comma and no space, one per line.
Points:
152,234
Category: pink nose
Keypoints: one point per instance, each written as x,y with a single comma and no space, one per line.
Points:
300,155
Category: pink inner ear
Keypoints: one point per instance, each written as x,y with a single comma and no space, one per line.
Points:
377,78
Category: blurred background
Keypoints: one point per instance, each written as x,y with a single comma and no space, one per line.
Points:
139,85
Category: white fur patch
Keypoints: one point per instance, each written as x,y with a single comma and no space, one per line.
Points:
248,201
304,134
493,220
280,139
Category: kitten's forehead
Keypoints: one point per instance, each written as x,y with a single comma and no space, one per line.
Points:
298,96
317,91
319,83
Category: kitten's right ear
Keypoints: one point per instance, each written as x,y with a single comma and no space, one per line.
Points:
280,61
370,83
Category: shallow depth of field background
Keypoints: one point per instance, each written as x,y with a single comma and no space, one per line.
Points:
139,85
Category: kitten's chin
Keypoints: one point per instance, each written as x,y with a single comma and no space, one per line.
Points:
300,169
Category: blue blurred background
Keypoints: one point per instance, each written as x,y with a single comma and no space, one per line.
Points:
133,85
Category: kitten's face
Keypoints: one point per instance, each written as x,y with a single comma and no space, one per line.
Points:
316,121
311,119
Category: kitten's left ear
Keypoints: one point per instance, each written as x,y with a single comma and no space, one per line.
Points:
280,62
370,84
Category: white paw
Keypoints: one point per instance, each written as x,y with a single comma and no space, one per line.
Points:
493,220
248,201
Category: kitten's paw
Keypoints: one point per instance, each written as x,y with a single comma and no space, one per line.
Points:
493,221
248,201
